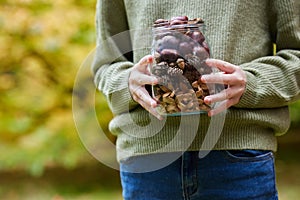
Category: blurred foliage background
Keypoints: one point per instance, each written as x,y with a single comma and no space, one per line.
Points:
43,44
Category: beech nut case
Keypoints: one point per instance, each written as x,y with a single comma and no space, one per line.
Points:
180,49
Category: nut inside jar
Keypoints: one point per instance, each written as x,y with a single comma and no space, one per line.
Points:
180,50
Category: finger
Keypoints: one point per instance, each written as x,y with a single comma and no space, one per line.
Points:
221,65
142,96
149,104
219,78
215,98
229,93
144,65
154,112
225,79
222,106
140,79
143,79
221,96
145,61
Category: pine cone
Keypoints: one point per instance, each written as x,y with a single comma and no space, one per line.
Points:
175,71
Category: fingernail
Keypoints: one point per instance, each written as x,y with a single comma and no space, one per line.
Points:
153,104
207,100
150,59
203,78
207,60
160,117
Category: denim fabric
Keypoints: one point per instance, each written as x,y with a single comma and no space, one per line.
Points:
221,175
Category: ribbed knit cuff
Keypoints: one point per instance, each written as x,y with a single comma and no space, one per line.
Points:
121,100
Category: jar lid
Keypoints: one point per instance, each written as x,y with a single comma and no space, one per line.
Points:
177,22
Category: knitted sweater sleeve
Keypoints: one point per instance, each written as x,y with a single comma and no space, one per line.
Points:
274,81
113,60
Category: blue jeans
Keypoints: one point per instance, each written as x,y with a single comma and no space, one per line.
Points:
221,175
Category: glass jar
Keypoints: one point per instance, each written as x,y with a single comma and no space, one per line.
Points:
180,50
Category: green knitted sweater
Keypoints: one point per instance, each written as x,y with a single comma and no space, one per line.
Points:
242,32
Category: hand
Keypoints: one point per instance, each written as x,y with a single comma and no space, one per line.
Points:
138,78
232,76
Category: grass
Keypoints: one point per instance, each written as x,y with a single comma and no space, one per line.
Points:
288,181
288,167
97,182
85,183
